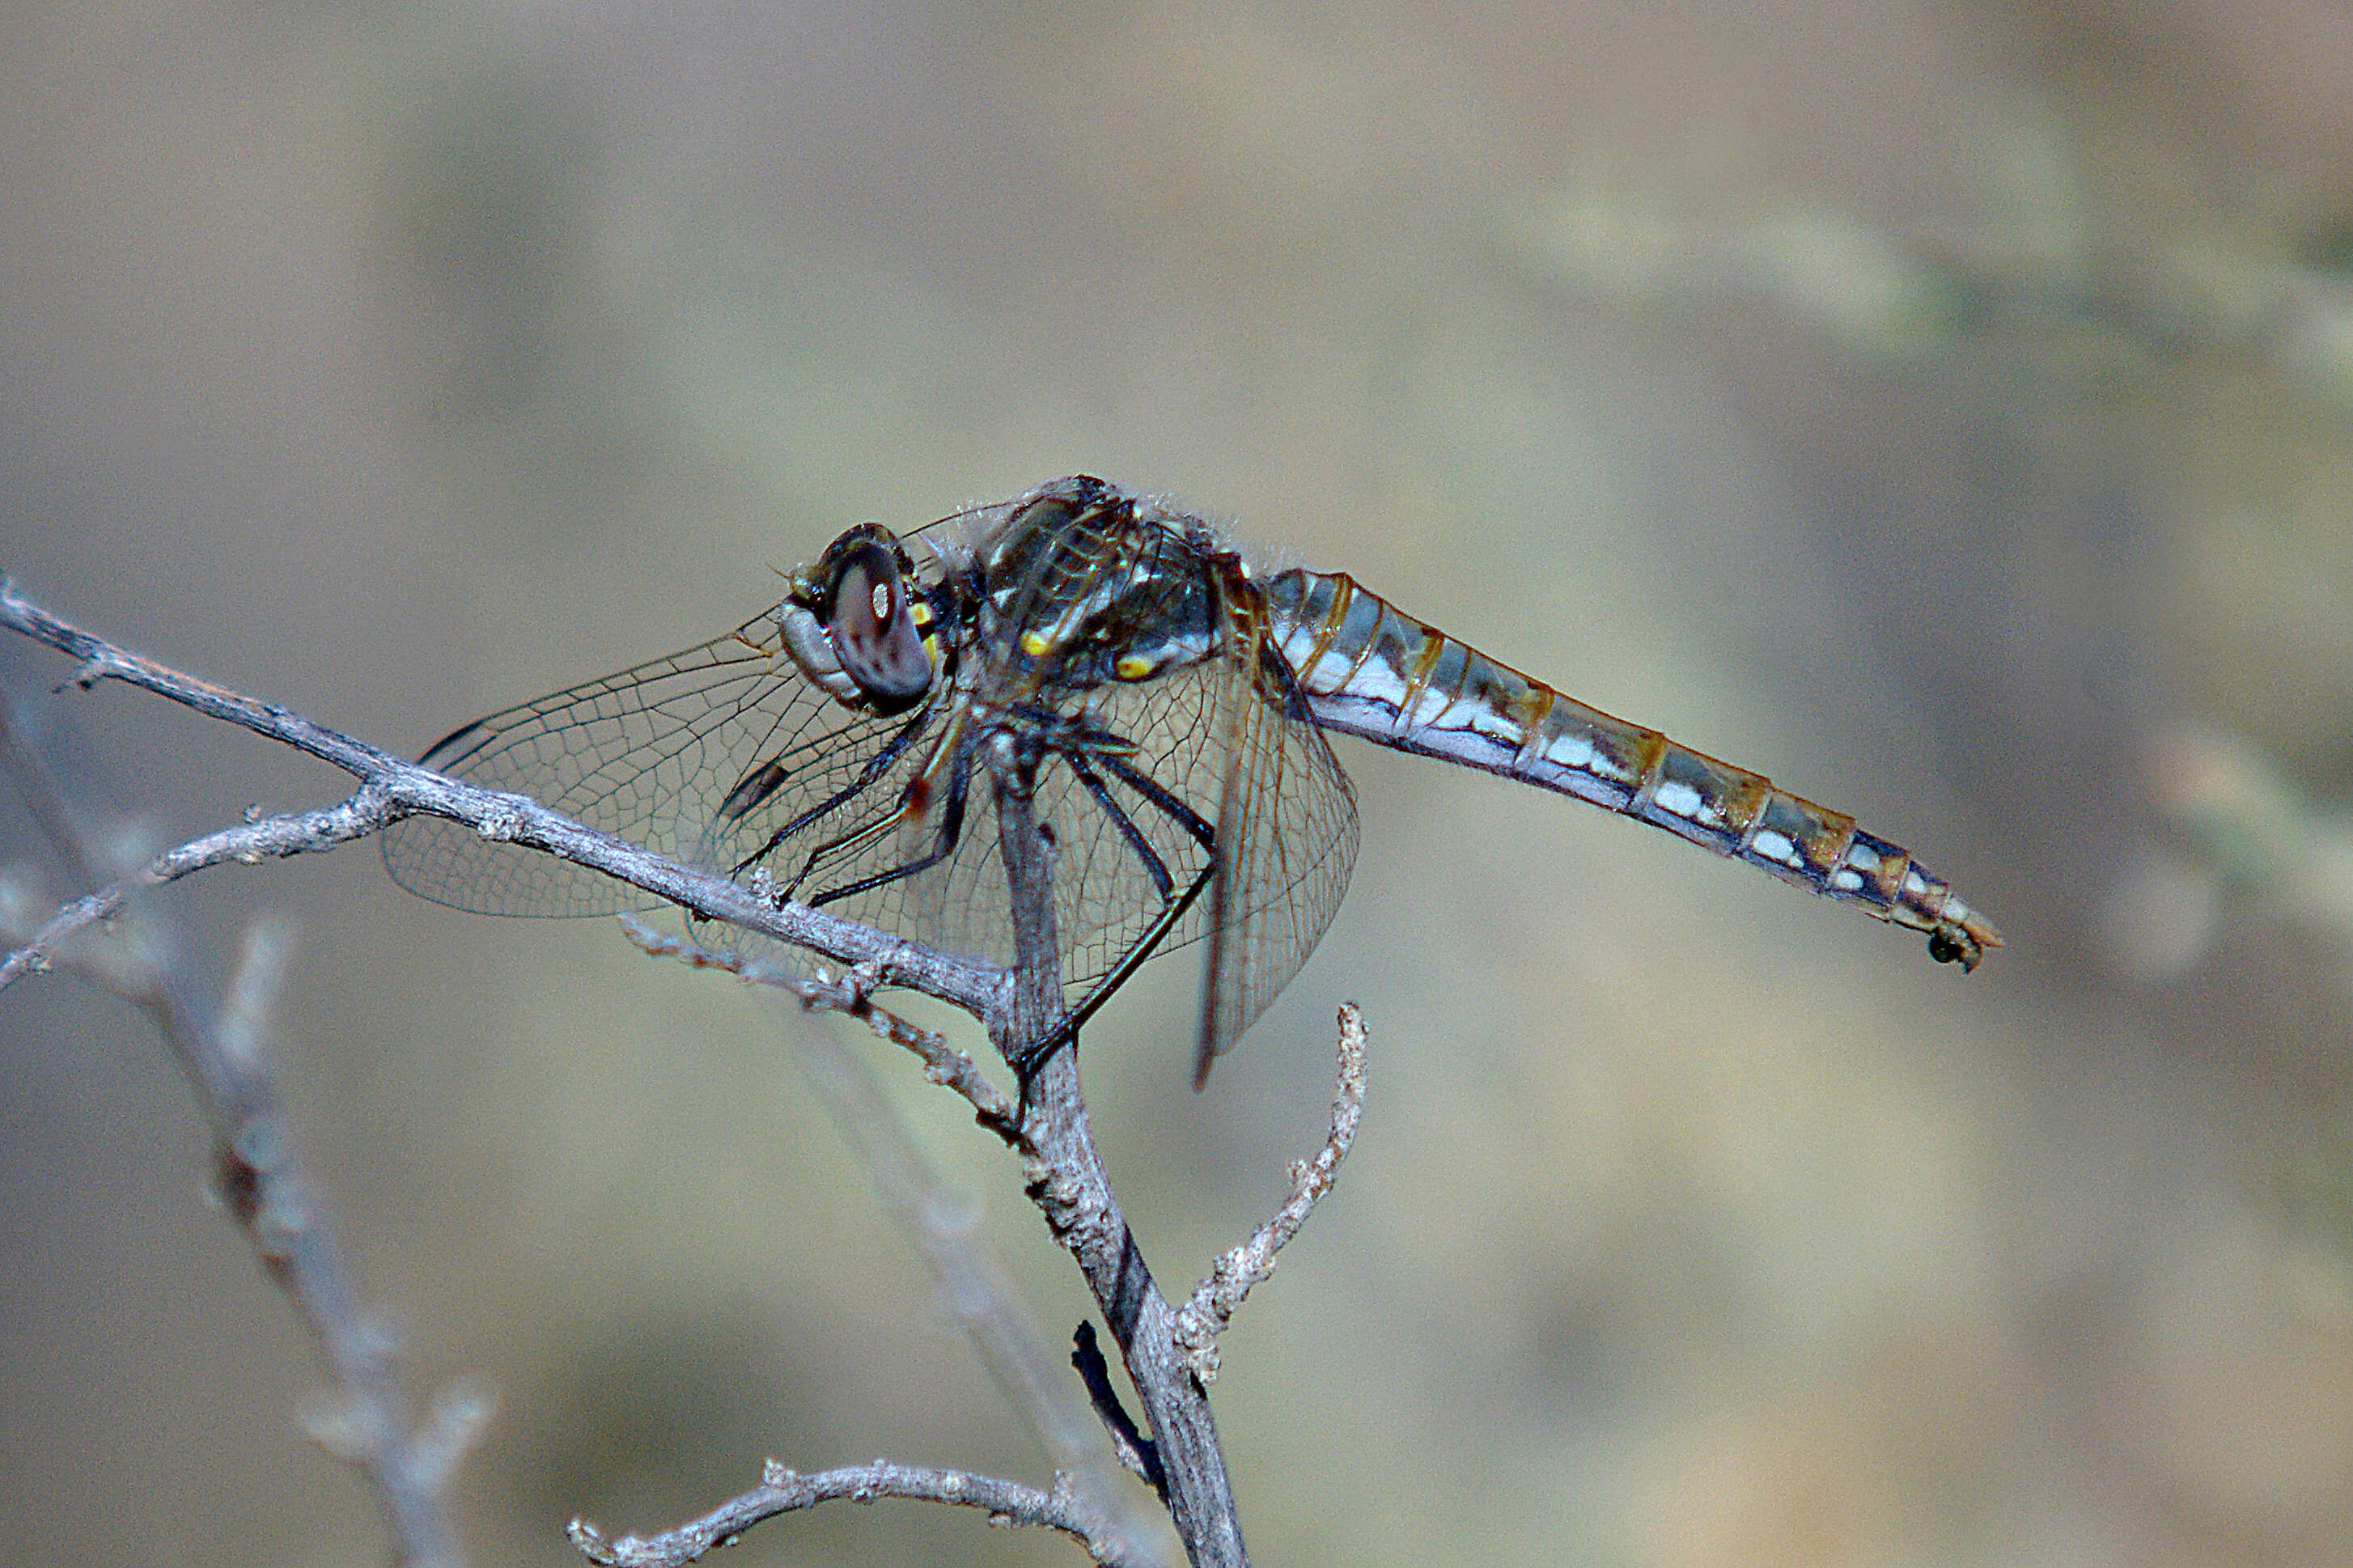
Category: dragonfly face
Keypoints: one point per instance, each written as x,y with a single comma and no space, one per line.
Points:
857,625
1174,708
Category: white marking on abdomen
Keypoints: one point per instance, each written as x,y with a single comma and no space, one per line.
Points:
1571,751
1677,799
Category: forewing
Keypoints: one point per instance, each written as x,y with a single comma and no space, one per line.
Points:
648,755
1287,842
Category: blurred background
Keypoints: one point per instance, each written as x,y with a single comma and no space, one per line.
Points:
1944,408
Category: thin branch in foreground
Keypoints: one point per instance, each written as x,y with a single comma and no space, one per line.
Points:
247,844
853,994
1063,1171
1214,1301
364,1417
1009,1504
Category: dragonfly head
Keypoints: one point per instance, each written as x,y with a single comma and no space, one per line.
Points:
859,626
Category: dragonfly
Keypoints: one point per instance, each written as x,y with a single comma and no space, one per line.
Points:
1171,705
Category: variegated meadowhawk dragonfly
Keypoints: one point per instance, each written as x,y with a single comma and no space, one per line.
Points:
833,749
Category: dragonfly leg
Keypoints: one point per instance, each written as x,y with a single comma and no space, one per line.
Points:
1185,816
763,781
1153,866
951,833
1171,911
1174,908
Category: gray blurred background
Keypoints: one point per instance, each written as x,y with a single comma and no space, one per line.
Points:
1947,409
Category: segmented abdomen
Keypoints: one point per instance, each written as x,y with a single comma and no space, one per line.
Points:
1368,669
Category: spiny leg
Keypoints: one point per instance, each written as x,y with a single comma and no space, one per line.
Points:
1153,866
1143,783
951,833
763,781
1172,909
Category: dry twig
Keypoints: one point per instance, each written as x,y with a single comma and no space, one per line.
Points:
1214,1301
1063,1172
781,1490
853,994
365,1419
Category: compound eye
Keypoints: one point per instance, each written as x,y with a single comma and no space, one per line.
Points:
873,625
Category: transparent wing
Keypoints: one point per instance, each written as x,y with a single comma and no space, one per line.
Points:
724,758
1134,813
1214,752
1130,813
651,755
1287,833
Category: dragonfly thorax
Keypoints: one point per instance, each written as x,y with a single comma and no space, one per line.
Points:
1077,590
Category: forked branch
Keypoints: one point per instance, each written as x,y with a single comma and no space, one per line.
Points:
1169,1356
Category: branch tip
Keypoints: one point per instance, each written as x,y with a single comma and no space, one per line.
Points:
1002,1503
1237,1272
460,1414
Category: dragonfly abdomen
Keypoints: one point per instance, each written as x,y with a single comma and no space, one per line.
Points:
1369,669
